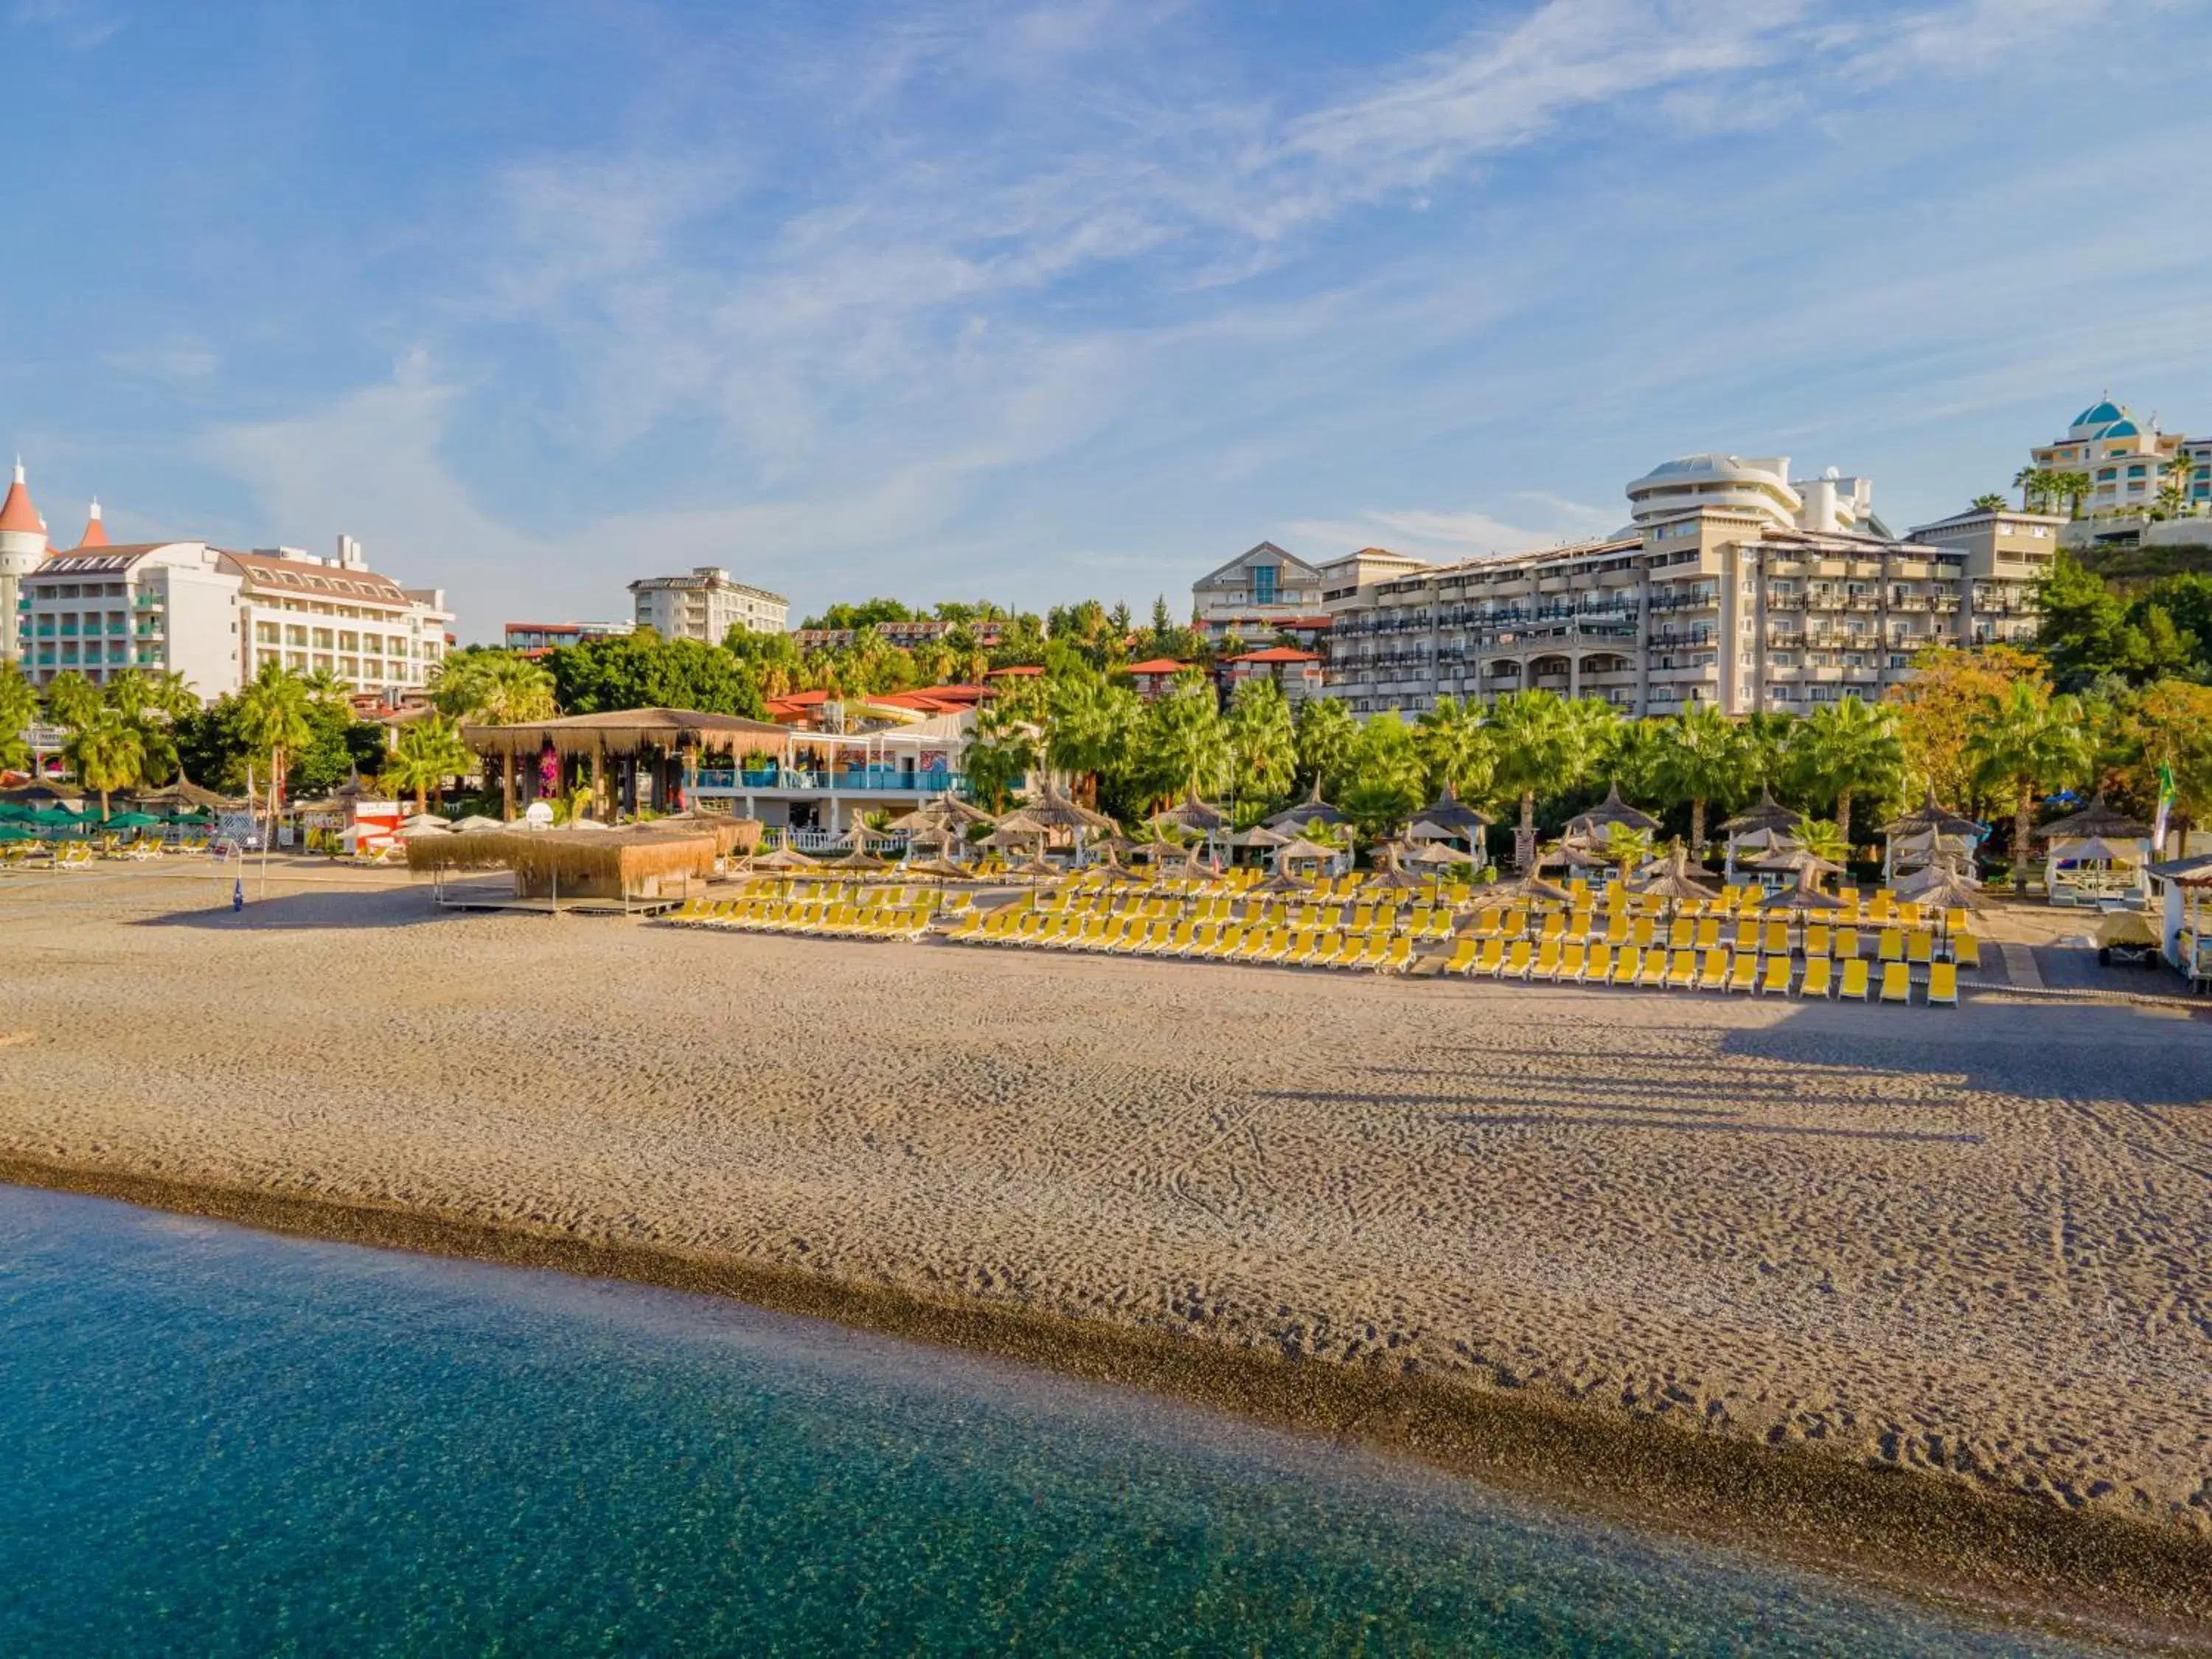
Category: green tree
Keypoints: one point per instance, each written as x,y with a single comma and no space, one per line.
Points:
1990,503
1182,743
1702,758
19,707
1455,747
427,753
70,700
1388,775
1090,723
1326,735
1539,744
492,688
2027,742
865,615
2034,486
152,704
107,753
641,670
273,717
1263,740
1849,749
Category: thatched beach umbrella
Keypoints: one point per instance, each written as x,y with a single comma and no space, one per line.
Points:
1285,881
1038,869
1437,855
1768,816
1303,851
1523,889
1673,882
1194,816
938,869
1798,860
1941,886
2090,849
1310,811
1259,836
785,858
1593,824
858,859
1803,897
1930,818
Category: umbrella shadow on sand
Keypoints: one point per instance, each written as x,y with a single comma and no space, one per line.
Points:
309,912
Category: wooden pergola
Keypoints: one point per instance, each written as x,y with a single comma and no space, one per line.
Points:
667,739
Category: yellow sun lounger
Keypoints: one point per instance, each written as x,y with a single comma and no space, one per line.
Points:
1896,981
1628,963
1855,980
1775,979
1597,968
1713,971
1462,957
1492,958
1652,976
1743,969
1943,983
1681,970
1518,957
1820,977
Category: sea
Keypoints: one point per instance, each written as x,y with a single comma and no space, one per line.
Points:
219,1442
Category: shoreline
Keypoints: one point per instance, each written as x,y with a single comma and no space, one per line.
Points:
2010,1559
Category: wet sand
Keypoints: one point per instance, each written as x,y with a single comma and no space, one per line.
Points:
1920,1291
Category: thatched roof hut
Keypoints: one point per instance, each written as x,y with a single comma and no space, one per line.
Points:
734,836
1769,815
624,731
1803,897
1312,810
2097,820
1449,816
1593,824
1929,818
605,864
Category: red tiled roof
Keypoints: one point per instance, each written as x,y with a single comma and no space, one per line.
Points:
1278,654
1023,670
1157,666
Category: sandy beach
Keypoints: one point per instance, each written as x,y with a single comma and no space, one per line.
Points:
1967,1247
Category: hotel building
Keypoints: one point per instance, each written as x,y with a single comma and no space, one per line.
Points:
210,616
2125,460
1731,585
1264,592
536,639
706,605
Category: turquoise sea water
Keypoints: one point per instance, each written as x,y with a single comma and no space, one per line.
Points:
216,1441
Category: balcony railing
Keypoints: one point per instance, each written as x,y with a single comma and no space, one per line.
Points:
836,780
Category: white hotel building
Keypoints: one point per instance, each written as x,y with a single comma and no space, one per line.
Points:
212,617
1732,585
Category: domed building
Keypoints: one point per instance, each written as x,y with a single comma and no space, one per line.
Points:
2123,458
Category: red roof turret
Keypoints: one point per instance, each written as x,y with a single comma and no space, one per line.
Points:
16,513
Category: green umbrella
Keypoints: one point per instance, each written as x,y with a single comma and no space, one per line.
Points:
132,821
56,816
17,832
12,813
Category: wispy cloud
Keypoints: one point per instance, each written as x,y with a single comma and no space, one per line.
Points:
79,25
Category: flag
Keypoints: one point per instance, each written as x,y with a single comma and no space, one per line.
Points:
2165,809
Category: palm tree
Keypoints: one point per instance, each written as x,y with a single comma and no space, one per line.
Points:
272,720
1988,503
1089,722
493,687
1628,847
1183,744
2071,488
153,704
107,753
2025,743
1846,748
2034,486
427,753
1327,733
326,688
70,700
1823,840
1702,757
1263,743
1537,741
1454,746
19,707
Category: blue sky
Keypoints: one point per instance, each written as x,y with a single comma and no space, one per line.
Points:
1040,298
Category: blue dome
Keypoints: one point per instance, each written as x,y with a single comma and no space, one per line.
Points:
2097,414
2121,430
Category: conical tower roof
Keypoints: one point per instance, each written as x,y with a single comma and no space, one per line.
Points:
16,513
95,533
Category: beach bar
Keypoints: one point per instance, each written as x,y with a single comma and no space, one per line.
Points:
652,756
641,870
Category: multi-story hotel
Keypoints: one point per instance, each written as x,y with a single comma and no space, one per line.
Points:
1264,592
212,617
1732,586
706,605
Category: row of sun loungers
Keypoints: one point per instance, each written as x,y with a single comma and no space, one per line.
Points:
1714,969
815,916
1133,934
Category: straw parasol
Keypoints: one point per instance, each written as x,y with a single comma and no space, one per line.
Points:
1929,818
2097,820
1052,810
1798,860
1575,855
858,859
785,858
1285,881
1013,833
1199,818
1447,817
1160,851
1431,853
1303,851
1259,836
1941,886
1804,896
1593,824
1524,889
1768,816
942,869
1674,881
1038,869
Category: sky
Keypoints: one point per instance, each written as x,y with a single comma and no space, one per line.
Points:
1041,300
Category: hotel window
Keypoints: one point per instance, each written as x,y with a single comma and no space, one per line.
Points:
2134,472
294,634
264,632
1263,584
349,641
322,639
2106,474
